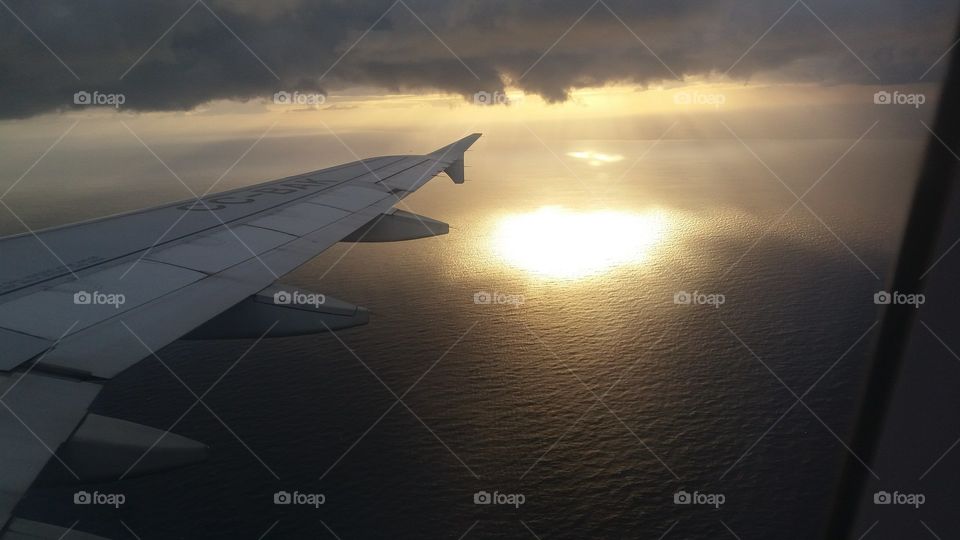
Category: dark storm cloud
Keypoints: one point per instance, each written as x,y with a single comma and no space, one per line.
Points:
290,44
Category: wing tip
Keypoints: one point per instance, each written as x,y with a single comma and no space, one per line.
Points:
457,148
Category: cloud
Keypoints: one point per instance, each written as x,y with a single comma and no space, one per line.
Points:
249,49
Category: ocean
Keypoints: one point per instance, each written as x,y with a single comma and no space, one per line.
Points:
542,360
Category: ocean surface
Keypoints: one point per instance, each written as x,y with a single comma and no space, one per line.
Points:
581,385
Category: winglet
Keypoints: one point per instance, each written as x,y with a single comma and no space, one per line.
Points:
456,150
453,153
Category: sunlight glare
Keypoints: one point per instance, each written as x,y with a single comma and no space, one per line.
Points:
566,244
595,158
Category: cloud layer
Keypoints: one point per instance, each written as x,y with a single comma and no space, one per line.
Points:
175,55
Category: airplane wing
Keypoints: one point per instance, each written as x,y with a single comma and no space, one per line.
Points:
83,302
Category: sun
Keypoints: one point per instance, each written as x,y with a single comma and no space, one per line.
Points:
559,243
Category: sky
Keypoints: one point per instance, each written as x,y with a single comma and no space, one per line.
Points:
89,90
184,55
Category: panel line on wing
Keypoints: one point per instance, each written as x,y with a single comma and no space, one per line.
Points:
44,276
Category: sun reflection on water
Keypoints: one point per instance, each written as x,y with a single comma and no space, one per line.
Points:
559,243
595,158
